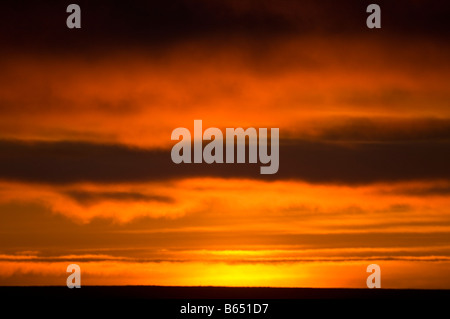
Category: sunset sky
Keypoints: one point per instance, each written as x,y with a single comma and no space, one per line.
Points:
86,117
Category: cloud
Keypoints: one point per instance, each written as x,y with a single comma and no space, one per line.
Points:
256,224
241,259
159,23
383,129
314,162
421,191
311,86
236,223
86,117
88,198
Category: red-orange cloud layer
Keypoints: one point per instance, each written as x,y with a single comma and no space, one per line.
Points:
364,124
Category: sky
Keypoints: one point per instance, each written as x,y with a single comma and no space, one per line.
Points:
86,117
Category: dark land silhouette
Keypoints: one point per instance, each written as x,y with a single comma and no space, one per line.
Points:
160,292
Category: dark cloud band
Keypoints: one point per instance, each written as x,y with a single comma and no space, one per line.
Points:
107,24
315,162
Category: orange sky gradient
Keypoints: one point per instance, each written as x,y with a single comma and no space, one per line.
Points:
354,93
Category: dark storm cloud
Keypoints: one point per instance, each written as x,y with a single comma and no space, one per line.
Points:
316,162
364,162
117,24
387,129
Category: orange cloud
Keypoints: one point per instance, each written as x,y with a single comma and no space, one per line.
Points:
300,86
